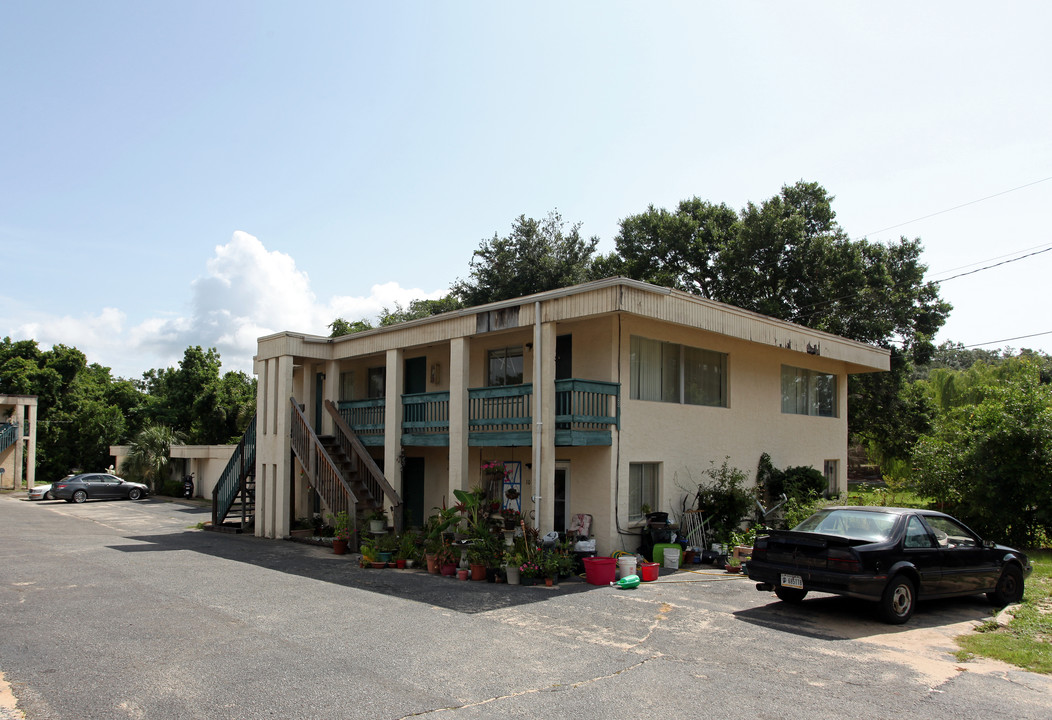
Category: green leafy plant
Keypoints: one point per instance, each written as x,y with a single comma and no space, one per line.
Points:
341,523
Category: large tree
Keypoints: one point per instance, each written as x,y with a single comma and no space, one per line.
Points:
537,255
788,258
988,454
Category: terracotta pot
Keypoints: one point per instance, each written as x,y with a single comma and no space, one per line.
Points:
339,547
449,570
549,582
432,564
379,565
733,568
478,571
400,563
462,574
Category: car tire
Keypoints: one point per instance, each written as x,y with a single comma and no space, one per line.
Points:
69,500
790,595
1009,587
898,600
80,496
48,496
134,494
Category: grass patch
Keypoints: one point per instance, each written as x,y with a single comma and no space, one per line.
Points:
885,496
1027,640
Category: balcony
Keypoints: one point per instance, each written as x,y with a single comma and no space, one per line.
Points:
585,413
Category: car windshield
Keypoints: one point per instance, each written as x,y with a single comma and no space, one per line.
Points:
854,524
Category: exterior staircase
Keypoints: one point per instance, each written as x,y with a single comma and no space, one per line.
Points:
234,496
8,435
340,469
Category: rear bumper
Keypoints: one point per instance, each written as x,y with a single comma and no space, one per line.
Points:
865,586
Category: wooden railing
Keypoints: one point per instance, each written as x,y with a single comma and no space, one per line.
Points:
426,414
587,404
366,417
323,475
366,469
232,481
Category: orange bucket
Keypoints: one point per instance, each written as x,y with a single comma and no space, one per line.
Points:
648,571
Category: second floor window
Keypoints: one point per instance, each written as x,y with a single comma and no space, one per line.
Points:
377,382
669,372
504,366
806,392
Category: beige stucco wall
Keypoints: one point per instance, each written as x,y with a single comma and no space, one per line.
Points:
207,462
19,460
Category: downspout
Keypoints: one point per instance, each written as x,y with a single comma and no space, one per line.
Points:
536,414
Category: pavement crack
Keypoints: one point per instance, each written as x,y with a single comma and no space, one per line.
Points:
558,687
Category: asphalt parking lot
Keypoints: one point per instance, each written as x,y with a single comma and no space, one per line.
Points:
211,625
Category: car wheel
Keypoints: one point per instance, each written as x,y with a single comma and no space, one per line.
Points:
80,496
48,496
790,595
1009,587
898,600
134,494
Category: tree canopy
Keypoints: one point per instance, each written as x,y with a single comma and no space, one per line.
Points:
537,255
82,409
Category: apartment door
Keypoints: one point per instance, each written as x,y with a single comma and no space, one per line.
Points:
562,497
415,375
413,492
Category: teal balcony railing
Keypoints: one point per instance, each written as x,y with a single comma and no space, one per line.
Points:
585,412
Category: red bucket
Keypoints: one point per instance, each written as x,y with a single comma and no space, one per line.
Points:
648,571
599,570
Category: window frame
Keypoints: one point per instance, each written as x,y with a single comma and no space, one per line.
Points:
649,490
809,400
503,354
671,359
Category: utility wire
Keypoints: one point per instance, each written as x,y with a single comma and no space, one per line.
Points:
997,342
958,207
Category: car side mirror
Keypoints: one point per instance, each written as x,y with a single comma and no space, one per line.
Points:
989,544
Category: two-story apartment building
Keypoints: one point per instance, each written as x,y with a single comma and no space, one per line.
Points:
599,398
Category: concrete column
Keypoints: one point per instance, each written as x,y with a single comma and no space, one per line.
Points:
393,418
31,445
332,392
459,452
546,408
20,445
274,448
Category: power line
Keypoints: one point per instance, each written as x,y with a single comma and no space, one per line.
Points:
988,267
958,207
996,342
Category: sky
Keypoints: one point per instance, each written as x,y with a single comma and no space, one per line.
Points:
206,173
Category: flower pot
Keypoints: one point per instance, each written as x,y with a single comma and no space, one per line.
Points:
377,526
549,582
463,574
432,564
378,564
449,570
733,568
527,580
339,547
478,571
410,563
400,563
513,574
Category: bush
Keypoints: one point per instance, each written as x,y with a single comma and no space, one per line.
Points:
725,501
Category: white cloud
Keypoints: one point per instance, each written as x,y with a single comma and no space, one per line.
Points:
246,292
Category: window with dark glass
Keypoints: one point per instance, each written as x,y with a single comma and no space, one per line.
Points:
377,382
504,366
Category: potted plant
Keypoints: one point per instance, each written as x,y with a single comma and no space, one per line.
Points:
386,547
445,560
407,548
377,520
734,565
512,561
511,518
529,571
341,524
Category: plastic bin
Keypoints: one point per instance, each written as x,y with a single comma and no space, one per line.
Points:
599,570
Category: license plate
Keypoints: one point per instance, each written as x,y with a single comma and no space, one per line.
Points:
793,581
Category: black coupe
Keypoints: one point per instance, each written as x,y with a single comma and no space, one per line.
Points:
892,556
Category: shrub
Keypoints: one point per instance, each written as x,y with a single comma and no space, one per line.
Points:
725,500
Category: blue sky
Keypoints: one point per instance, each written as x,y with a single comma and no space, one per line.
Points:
208,172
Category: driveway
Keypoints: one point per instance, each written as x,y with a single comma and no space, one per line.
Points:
125,611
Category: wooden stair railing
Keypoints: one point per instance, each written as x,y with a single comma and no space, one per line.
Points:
325,476
366,470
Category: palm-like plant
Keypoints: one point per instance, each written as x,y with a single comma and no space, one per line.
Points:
149,454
